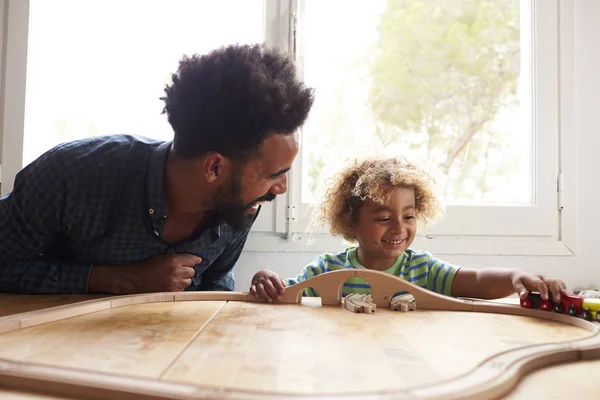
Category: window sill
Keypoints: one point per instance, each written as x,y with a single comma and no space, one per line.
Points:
446,245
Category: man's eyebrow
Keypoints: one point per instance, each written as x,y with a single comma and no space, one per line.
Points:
280,172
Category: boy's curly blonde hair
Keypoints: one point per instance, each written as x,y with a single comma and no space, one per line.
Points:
374,179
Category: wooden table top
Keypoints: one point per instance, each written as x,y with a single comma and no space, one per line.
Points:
304,349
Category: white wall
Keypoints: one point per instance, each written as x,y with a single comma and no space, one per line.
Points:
581,270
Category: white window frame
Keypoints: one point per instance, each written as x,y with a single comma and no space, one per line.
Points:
546,228
281,224
15,15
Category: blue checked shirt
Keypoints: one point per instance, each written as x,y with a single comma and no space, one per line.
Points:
99,201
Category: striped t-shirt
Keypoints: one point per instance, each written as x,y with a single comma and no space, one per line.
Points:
418,267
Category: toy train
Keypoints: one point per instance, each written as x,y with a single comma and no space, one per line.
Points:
587,308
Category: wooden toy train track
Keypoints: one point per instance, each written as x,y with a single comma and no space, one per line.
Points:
491,378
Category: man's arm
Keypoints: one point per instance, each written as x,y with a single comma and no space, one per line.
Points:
32,218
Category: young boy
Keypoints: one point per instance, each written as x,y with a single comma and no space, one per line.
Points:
378,204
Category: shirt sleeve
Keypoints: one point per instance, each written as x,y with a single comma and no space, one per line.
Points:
440,276
32,218
318,266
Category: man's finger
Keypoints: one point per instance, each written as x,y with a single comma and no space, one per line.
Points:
187,272
188,260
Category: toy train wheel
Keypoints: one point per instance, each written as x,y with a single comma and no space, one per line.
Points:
573,311
587,315
526,302
559,308
546,305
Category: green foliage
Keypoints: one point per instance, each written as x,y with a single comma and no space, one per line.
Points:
437,79
443,70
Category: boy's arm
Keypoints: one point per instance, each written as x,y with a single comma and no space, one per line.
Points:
267,285
318,266
440,275
494,283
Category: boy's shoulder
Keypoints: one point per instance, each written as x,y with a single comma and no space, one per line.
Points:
340,254
340,257
417,255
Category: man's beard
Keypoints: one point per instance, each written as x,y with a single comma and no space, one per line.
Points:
230,207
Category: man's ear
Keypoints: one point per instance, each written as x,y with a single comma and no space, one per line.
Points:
215,167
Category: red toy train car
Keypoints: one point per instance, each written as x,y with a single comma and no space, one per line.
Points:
587,308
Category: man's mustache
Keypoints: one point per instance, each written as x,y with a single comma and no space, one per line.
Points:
267,197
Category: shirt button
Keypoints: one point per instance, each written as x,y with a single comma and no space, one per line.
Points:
156,234
151,211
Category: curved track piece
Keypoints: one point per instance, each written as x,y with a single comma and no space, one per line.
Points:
492,378
359,303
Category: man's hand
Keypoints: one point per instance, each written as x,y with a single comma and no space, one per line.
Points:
523,282
267,285
159,273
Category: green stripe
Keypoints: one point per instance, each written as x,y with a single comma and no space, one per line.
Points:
404,263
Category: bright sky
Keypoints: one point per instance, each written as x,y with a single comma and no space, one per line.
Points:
105,62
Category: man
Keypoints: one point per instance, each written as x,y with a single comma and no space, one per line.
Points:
125,214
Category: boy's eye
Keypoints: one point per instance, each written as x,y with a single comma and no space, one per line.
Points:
409,217
382,219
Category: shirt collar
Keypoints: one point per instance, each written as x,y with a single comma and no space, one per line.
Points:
155,182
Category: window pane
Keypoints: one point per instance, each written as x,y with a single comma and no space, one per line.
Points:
444,80
99,67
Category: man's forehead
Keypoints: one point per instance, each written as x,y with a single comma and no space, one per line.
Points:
277,152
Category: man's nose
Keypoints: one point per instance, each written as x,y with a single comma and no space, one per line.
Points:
280,187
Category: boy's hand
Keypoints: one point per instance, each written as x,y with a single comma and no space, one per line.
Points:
523,282
267,285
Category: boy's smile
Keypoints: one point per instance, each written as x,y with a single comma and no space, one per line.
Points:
385,231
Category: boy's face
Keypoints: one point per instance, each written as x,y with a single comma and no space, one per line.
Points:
384,231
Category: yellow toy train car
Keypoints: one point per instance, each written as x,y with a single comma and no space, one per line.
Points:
591,309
